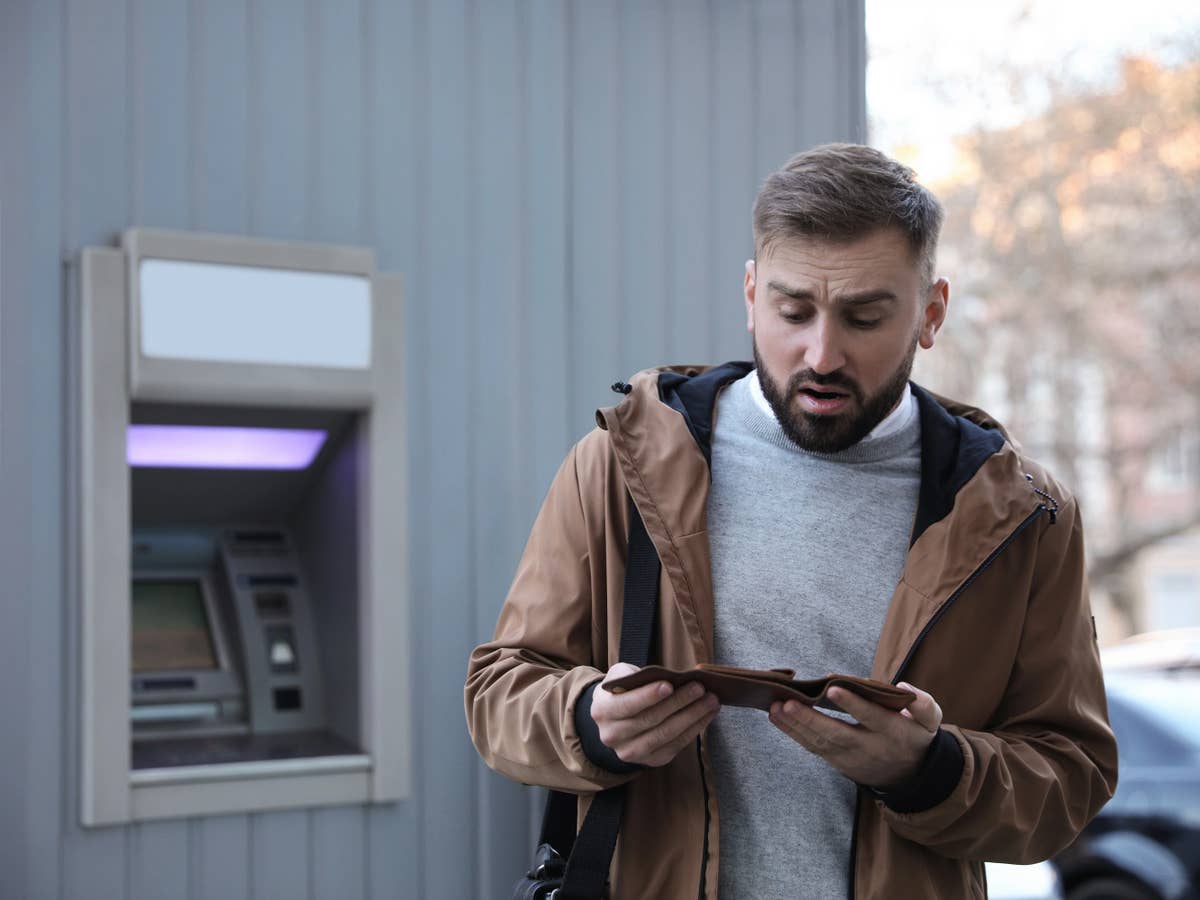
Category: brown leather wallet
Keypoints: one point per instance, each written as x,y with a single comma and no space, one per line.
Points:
759,688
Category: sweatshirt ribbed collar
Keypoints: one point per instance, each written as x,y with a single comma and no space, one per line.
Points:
739,407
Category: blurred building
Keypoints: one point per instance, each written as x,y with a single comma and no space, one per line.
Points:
1070,242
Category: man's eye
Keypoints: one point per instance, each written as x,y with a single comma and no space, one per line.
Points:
793,316
865,324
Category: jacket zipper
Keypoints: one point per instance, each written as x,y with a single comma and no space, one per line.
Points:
707,820
854,839
971,579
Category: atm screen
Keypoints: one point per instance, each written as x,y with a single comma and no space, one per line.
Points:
170,626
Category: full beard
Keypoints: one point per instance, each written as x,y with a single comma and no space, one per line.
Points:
833,433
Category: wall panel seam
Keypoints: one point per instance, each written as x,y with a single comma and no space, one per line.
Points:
135,91
569,316
716,295
315,158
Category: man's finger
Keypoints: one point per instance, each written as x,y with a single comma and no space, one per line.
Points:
672,731
814,730
871,715
664,755
627,704
924,710
628,727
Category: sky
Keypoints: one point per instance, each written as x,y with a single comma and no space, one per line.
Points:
936,67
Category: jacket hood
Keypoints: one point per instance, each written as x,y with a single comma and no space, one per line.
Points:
956,439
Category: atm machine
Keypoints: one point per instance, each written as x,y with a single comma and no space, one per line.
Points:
238,491
225,653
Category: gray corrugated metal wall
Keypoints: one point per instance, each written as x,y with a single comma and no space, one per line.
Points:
565,186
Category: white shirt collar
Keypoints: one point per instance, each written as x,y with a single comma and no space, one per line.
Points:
897,420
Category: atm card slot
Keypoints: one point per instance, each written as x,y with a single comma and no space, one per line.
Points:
175,712
165,684
261,581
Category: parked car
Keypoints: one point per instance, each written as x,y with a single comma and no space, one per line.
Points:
1145,844
1036,882
1173,650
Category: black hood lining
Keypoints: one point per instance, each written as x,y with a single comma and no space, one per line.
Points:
695,398
952,448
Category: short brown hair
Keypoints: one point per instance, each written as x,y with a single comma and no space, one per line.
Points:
840,192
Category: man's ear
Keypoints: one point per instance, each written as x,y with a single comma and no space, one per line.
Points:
748,289
936,302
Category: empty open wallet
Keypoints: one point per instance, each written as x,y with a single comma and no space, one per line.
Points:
759,688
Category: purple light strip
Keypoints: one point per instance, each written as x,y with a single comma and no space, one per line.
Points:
206,447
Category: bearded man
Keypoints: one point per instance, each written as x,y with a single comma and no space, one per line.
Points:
820,512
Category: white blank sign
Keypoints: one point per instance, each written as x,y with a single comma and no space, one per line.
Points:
245,314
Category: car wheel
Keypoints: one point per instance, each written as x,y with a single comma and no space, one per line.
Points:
1111,889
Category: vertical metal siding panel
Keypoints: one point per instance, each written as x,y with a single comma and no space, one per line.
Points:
158,861
96,191
280,170
161,152
33,372
820,81
220,853
338,858
690,142
775,84
448,757
279,858
98,152
496,445
546,253
159,852
17,842
338,837
595,292
220,129
398,120
521,352
645,225
338,130
852,35
395,37
222,858
735,173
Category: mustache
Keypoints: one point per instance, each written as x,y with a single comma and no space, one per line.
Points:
830,379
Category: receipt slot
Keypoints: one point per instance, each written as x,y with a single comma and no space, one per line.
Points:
239,544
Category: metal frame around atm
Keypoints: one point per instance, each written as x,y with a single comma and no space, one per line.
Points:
109,372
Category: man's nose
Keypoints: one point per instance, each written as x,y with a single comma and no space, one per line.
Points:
824,352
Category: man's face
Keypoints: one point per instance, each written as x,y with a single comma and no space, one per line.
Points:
835,327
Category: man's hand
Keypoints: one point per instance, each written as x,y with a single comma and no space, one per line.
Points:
882,751
651,724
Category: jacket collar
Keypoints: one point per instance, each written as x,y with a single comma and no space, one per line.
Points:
953,447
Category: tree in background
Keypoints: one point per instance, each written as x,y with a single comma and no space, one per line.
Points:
1074,241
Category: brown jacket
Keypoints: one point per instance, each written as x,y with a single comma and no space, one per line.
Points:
990,616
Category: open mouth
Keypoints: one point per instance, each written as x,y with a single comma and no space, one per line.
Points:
823,402
823,395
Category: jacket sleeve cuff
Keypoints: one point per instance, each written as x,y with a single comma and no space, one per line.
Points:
597,752
934,781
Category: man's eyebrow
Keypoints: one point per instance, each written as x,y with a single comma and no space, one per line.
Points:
794,292
862,299
859,299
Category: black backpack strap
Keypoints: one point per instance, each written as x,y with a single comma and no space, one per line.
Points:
592,850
